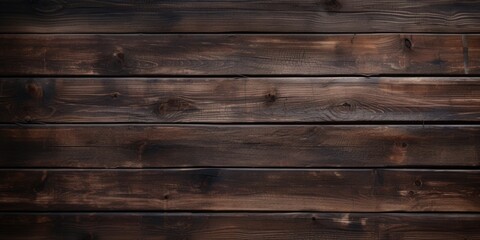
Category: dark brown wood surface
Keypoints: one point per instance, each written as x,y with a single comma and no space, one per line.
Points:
197,100
237,54
146,226
472,49
343,190
231,119
61,16
147,146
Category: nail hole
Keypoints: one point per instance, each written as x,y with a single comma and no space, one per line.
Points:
404,145
408,43
166,196
411,193
314,218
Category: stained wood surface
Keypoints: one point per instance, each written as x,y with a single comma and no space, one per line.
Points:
236,54
198,100
147,146
472,49
47,226
229,119
361,190
57,16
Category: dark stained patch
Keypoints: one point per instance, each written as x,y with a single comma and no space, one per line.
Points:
332,5
174,105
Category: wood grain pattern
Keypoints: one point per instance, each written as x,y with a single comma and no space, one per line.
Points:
60,16
197,100
232,119
234,54
343,190
146,226
471,47
147,146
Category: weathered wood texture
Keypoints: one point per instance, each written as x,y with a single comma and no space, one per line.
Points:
361,190
472,49
127,226
166,100
147,146
220,54
57,16
304,119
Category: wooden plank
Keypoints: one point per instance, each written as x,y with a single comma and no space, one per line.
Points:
343,190
471,49
233,54
147,146
56,16
119,226
167,100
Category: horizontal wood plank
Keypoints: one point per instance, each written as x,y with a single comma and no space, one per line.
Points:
147,146
167,100
472,49
56,16
236,54
127,226
342,190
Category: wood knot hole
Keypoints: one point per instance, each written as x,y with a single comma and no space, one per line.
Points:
346,104
407,43
418,183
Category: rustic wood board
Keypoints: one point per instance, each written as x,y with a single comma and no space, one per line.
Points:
113,16
150,146
472,50
127,226
236,54
342,190
223,100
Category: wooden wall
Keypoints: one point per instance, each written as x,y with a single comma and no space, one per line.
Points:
227,119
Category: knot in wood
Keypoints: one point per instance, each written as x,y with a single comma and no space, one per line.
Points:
346,104
48,6
34,90
332,5
401,144
120,56
175,105
407,43
270,97
418,183
115,94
